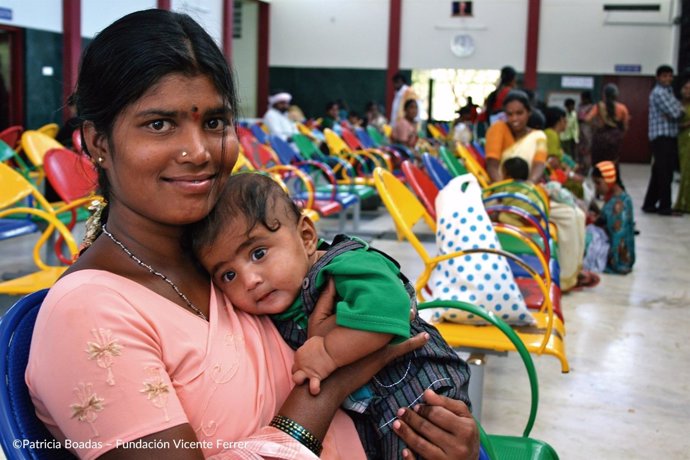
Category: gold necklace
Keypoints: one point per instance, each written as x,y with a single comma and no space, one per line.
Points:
189,303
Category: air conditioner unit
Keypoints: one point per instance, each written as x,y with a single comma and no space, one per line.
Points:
654,12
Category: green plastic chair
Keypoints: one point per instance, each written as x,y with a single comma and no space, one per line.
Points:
451,161
503,447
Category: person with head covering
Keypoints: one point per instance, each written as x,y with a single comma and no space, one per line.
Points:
276,117
616,219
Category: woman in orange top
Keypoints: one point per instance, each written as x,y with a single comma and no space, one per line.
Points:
610,120
513,138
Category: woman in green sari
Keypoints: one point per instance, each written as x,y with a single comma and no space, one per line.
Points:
683,200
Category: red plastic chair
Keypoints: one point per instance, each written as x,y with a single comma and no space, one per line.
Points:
74,178
76,141
422,185
12,135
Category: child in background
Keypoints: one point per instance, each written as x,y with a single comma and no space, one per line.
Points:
265,256
616,219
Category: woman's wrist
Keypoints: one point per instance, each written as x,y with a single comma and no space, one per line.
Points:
298,432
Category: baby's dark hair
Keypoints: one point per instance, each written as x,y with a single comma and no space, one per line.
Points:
254,196
516,168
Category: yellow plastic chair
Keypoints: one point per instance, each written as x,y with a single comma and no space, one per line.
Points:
546,337
15,188
50,129
35,144
472,165
337,146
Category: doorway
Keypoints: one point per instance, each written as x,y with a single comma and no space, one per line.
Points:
11,77
634,93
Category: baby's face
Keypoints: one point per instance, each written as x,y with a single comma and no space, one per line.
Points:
261,273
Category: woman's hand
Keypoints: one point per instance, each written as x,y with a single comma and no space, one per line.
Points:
440,429
322,319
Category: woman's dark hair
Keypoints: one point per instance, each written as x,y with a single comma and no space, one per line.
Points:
520,96
408,103
586,97
135,52
254,196
610,96
553,115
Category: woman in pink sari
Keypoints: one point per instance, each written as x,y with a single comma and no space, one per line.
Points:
135,354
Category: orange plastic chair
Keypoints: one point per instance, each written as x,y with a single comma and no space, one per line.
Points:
544,338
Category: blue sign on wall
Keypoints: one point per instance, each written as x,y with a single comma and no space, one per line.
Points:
6,13
628,68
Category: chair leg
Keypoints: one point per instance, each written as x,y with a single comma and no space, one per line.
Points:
356,213
476,387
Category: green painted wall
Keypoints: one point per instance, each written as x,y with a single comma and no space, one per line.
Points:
312,88
42,94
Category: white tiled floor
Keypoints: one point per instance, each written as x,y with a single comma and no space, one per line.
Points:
628,393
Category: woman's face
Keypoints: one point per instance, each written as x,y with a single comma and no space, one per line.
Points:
685,91
600,185
165,158
516,116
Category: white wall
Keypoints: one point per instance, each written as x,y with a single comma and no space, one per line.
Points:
43,15
96,15
498,28
245,59
329,33
578,35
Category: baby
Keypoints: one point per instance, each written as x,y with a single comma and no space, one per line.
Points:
267,259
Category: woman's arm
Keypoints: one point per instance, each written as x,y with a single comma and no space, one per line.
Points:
494,170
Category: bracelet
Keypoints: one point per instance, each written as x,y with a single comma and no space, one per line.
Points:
298,432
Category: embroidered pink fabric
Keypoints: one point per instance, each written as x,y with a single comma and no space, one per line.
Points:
112,361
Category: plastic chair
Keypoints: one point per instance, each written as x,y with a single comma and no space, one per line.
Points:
346,173
472,165
451,161
18,419
406,211
49,129
259,133
74,179
326,186
15,188
438,173
11,135
500,447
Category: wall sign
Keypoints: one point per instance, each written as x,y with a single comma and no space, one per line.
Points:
6,13
577,82
627,68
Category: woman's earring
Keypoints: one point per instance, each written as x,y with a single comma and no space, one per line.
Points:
184,154
100,159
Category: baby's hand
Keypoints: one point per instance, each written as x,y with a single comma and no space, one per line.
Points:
312,362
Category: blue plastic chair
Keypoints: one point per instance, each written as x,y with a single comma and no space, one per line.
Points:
18,419
438,173
259,133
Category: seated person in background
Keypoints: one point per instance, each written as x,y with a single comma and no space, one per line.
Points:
296,114
354,120
276,117
560,164
616,219
265,256
405,130
374,116
463,126
331,118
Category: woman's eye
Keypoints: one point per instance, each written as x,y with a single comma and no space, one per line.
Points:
259,254
159,125
227,277
216,123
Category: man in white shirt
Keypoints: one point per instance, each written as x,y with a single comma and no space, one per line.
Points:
403,93
276,117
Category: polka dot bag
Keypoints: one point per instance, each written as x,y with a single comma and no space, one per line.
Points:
481,279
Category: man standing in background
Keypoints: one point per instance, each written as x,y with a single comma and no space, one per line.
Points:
570,136
403,93
664,112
